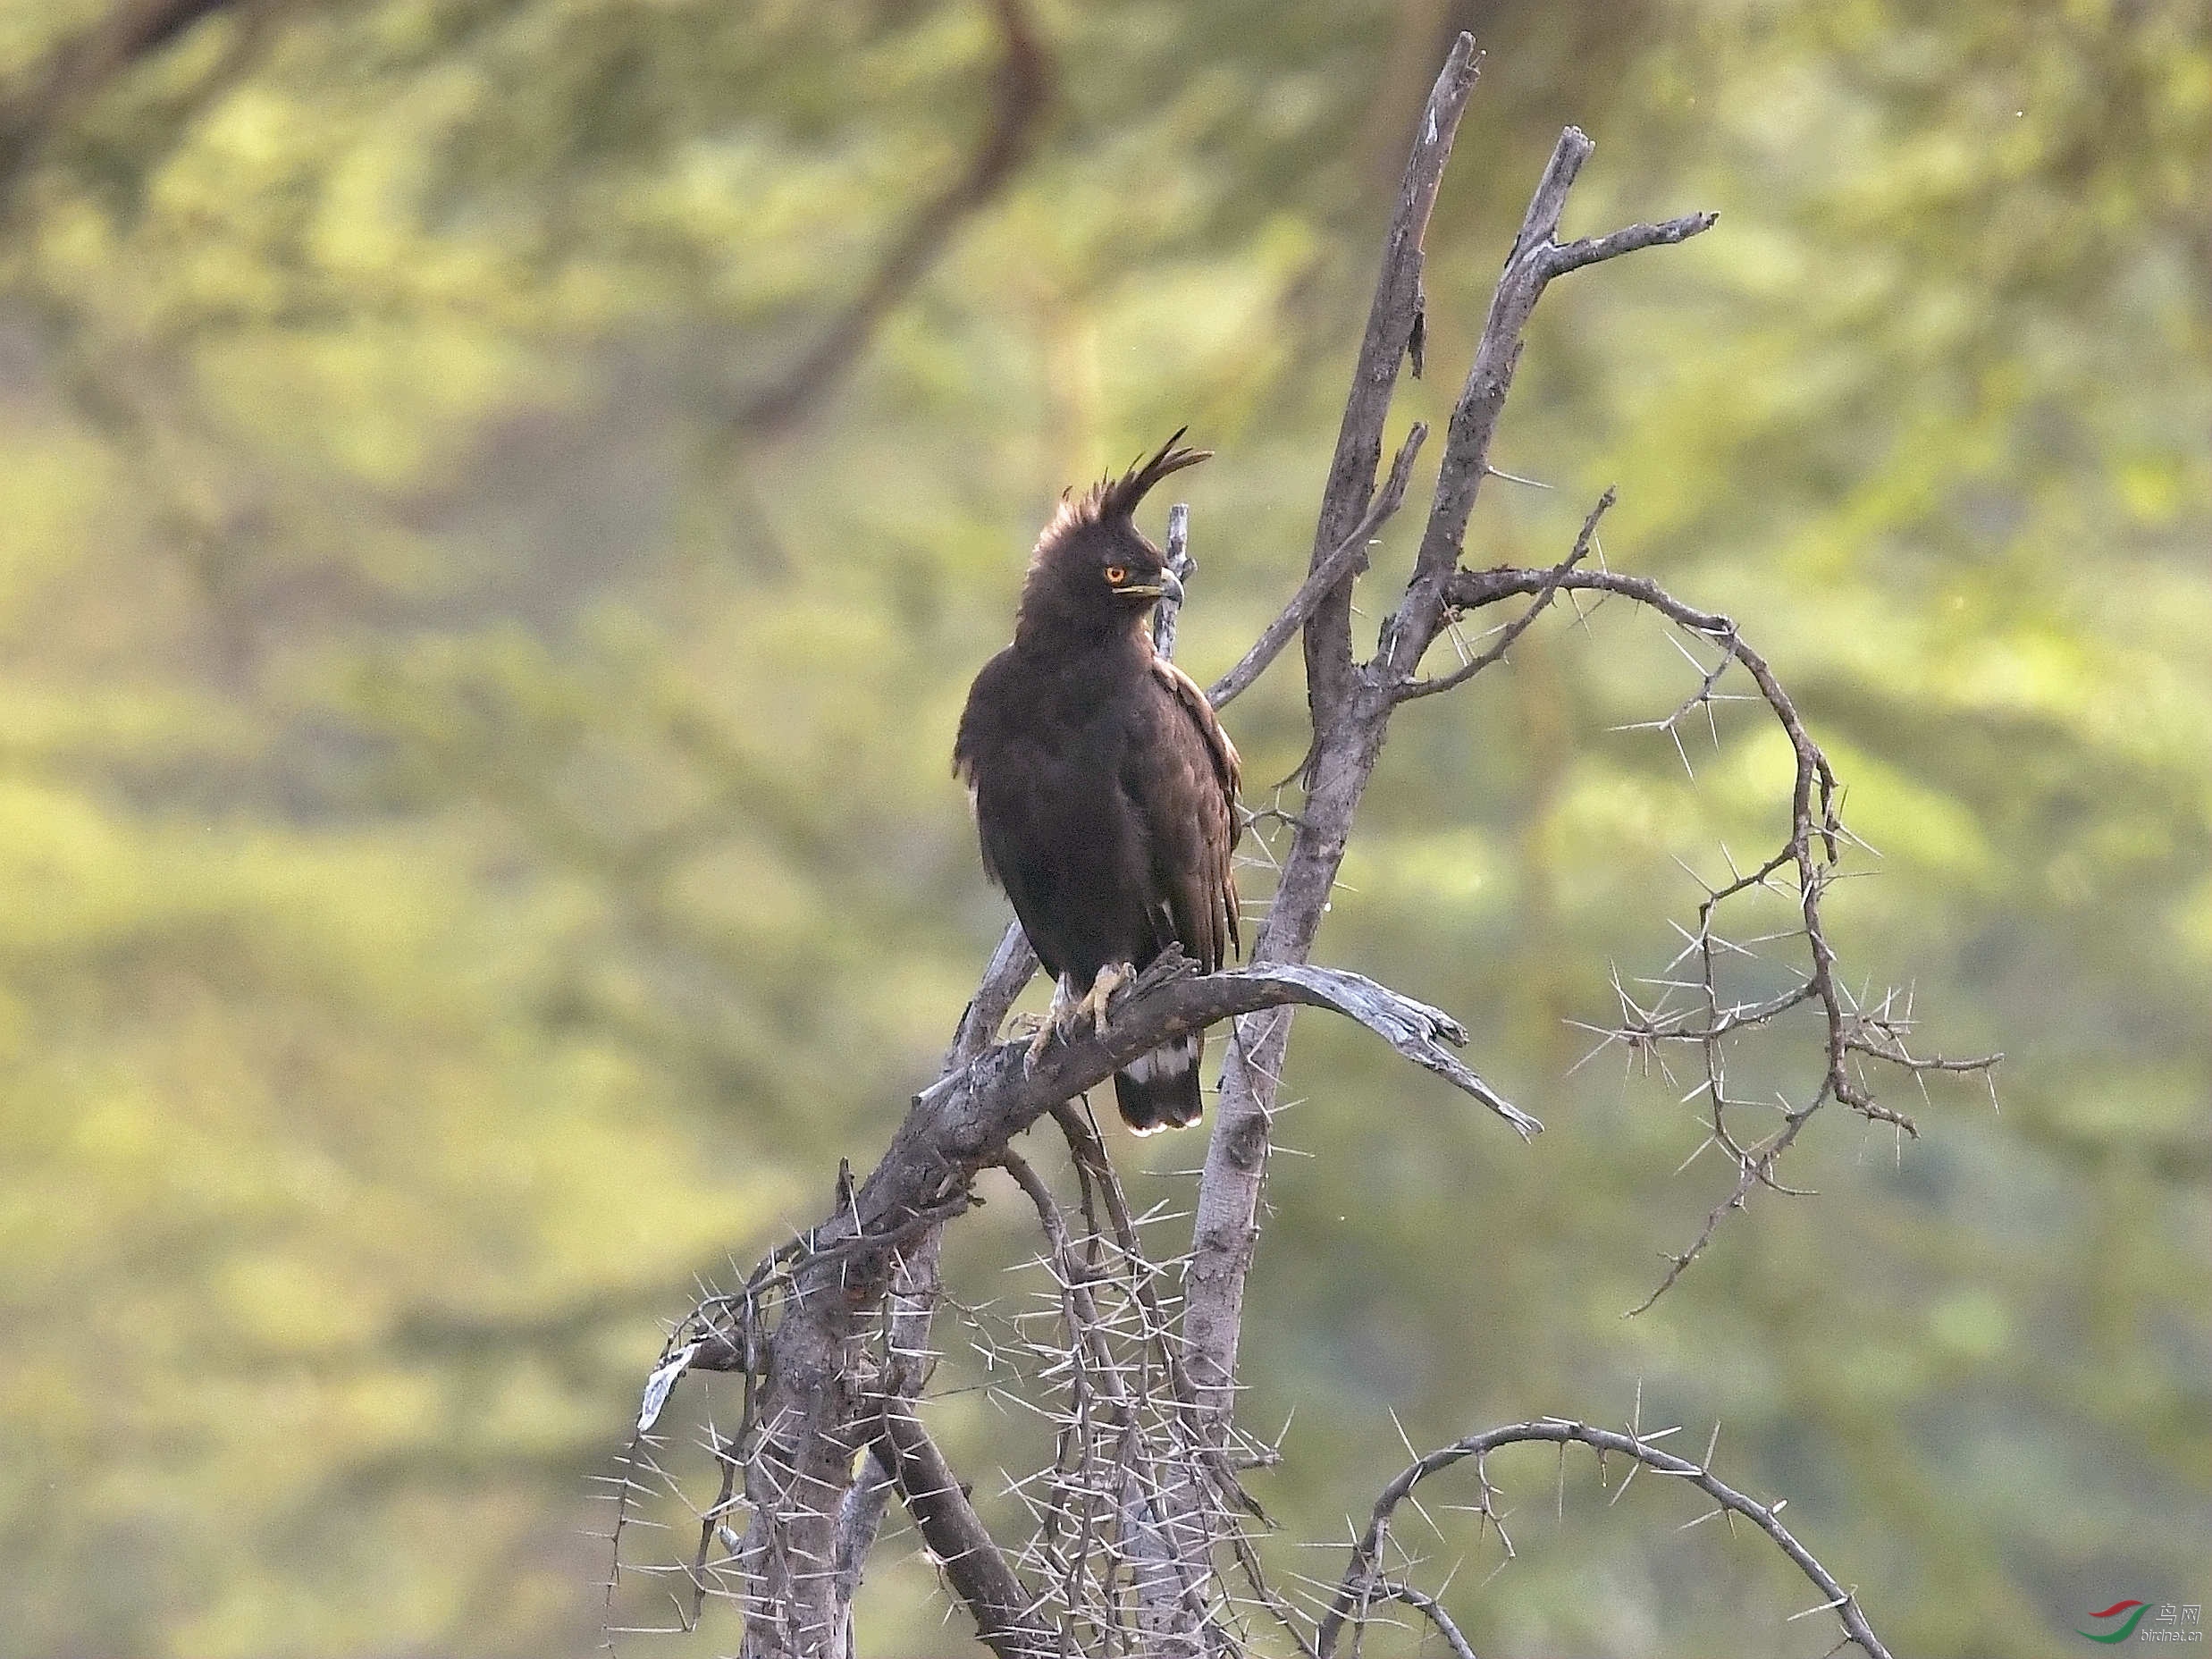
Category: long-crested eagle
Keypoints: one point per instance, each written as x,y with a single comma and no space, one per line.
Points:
1104,789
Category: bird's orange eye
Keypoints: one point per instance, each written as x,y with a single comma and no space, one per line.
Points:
1115,574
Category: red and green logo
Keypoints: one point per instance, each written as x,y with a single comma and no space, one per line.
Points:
2124,1628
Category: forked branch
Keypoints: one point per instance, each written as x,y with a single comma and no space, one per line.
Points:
1397,321
1352,704
1808,859
1520,624
1349,558
816,1324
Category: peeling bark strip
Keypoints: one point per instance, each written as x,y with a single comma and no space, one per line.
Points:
1142,1519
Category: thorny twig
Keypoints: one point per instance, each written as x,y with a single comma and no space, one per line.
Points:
1810,855
1365,1581
836,1276
1520,624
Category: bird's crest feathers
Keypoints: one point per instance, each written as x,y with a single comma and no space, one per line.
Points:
1112,499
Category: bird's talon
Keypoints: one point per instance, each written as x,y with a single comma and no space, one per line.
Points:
1109,979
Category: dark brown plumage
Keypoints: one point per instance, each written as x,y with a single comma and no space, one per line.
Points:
1104,789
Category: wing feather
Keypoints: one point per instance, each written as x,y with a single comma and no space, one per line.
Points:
1187,787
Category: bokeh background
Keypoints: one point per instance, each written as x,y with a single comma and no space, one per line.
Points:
476,844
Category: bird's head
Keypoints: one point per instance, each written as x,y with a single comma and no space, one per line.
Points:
1094,573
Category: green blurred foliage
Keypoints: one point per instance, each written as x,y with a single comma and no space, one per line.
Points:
476,842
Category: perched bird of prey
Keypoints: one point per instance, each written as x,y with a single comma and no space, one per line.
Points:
1104,789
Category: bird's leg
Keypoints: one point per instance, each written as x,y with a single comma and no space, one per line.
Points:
1068,1011
1111,978
1054,1024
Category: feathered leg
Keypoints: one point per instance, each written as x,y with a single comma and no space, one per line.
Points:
1110,978
1068,1011
1054,1023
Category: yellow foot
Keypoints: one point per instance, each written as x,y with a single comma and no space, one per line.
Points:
1111,978
1067,1013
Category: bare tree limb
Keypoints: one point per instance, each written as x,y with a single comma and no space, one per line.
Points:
1351,708
1431,1609
1011,964
1349,557
1395,321
1003,1095
1180,565
907,1362
810,1412
1520,624
860,1517
831,1332
1414,1028
957,1538
1567,256
1535,259
1810,853
1364,1581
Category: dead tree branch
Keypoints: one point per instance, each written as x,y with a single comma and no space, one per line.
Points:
1520,624
1537,256
1347,560
816,1302
1364,1582
1182,567
1352,703
1397,321
1810,855
1429,1608
1167,1000
957,1538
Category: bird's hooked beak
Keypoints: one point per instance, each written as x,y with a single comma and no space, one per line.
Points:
1168,587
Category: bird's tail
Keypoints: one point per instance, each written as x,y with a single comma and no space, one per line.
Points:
1160,1089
